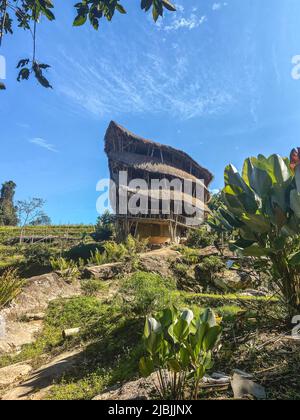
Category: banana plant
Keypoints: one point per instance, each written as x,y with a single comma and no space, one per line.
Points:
262,204
179,348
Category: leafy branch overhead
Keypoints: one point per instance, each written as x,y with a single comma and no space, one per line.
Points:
26,14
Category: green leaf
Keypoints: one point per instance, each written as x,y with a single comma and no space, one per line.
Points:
155,13
146,366
80,20
257,251
151,325
281,170
294,259
211,337
209,317
23,74
256,222
169,5
121,9
50,16
146,4
174,365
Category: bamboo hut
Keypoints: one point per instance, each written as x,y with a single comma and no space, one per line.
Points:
150,161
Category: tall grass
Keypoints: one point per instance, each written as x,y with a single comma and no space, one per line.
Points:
10,287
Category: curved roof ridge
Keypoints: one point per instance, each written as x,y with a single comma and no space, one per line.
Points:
115,126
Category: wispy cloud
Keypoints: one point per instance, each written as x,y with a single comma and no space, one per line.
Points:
42,143
149,83
191,22
218,6
182,19
150,74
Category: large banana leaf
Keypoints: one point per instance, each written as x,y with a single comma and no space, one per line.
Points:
257,222
256,175
295,202
281,170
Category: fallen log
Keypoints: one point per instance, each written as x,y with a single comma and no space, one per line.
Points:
71,332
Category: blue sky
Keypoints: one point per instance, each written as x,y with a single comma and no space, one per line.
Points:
213,79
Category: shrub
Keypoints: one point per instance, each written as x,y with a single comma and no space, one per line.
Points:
209,266
189,255
82,251
200,238
68,270
10,287
136,245
179,348
97,258
105,227
91,287
146,293
38,255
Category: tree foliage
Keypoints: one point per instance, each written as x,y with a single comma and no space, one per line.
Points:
27,14
8,211
263,207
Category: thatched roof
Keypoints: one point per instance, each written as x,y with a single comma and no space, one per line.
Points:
148,164
125,147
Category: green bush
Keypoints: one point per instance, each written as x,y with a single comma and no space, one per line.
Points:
206,270
10,287
179,348
83,251
68,270
38,255
74,312
92,287
145,293
105,227
200,238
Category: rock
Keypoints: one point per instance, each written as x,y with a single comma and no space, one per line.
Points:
41,380
34,317
104,271
216,378
159,261
232,280
37,294
13,373
141,389
243,387
17,334
243,374
34,299
256,293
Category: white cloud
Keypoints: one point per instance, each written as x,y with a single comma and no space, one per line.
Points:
42,143
137,84
192,22
218,6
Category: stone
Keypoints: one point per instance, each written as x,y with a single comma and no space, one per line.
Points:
141,389
11,374
35,297
243,388
104,271
158,261
232,280
41,380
